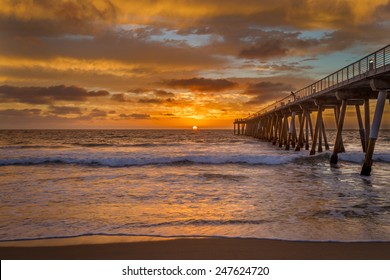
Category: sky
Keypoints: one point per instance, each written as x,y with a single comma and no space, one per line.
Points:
172,64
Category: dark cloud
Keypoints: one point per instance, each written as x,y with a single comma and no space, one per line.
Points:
266,91
25,118
84,10
383,11
163,93
96,113
20,113
119,97
150,100
108,43
266,86
46,95
65,110
98,93
62,17
269,44
290,67
202,84
134,116
36,118
138,90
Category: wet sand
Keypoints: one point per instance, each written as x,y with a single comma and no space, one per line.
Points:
191,249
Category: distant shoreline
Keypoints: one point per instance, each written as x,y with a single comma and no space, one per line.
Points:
143,248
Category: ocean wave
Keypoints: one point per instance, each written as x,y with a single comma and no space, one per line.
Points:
201,223
147,237
143,145
142,160
357,211
358,157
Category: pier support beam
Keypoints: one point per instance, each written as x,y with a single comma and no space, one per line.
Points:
376,122
282,130
285,134
294,131
367,120
308,126
277,124
341,148
291,132
324,135
317,133
272,128
361,128
338,141
320,126
302,120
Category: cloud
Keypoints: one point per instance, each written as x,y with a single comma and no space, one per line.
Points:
150,100
98,93
53,30
202,84
20,113
65,10
163,93
46,95
156,92
97,113
119,97
135,116
138,90
269,44
109,43
36,118
265,91
159,96
65,110
190,58
266,86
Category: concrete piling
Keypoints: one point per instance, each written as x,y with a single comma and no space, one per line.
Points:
367,121
361,128
337,144
376,122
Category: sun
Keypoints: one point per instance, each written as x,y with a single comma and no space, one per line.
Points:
194,127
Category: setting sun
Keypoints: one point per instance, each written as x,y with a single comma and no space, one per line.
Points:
194,127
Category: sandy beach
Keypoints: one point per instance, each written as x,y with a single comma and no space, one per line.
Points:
191,249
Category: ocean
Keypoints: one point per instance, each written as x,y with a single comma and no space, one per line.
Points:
67,183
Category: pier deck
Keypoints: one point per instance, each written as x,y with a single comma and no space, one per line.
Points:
288,122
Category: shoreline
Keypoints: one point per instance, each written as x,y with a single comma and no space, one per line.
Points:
190,248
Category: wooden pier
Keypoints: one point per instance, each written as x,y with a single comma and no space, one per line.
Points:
288,122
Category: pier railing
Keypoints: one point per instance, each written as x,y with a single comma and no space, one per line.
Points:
370,65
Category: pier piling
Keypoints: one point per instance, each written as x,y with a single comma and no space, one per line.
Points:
376,122
338,141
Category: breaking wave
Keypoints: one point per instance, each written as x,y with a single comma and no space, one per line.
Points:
140,161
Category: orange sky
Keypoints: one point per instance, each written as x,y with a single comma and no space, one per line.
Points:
172,64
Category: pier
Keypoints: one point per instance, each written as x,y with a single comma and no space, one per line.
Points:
288,123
